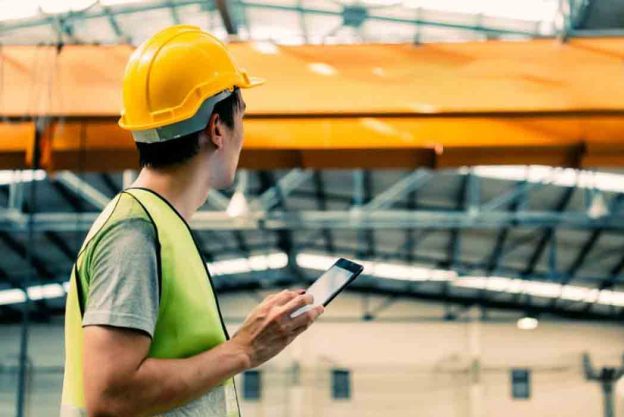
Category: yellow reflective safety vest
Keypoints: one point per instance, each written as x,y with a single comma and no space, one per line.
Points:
189,319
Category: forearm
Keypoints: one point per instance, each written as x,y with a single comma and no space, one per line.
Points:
159,385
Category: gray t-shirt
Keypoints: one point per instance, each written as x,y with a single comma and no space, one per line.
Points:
123,290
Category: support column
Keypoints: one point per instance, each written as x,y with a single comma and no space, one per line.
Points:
475,393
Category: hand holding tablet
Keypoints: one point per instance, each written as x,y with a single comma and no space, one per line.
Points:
330,284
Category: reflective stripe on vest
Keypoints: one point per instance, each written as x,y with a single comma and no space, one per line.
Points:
189,320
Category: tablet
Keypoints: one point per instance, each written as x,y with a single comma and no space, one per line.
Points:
328,285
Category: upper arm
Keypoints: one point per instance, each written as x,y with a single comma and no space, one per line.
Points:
111,356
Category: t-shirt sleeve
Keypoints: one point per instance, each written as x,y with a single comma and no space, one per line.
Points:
123,287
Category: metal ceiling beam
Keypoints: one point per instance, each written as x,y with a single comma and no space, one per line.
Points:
69,196
614,275
520,190
272,194
62,245
284,186
589,244
407,184
15,196
580,13
548,232
388,19
40,312
367,236
202,247
582,255
223,6
83,189
21,250
315,220
63,27
454,242
11,279
465,202
345,199
547,239
108,181
174,13
58,242
217,200
357,199
224,9
411,239
497,253
321,201
438,261
113,22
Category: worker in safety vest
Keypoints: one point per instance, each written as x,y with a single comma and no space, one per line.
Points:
143,332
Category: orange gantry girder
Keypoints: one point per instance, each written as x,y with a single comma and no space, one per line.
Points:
439,105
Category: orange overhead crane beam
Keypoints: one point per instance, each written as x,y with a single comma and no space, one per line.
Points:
371,106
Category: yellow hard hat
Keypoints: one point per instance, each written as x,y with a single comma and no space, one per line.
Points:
173,81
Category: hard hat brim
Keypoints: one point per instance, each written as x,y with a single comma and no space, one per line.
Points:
253,82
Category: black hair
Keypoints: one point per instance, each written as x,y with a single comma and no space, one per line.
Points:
180,150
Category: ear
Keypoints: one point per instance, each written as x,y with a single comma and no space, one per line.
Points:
215,132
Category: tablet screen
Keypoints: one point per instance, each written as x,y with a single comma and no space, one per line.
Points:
325,286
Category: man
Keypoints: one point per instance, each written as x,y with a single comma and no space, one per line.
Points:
144,334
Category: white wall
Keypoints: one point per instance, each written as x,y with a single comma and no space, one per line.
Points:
408,363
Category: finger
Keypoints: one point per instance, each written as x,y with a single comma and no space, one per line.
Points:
300,326
283,297
296,303
305,319
285,290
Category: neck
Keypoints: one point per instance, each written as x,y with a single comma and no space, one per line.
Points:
185,187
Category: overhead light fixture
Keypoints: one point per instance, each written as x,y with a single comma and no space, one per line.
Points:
277,260
313,261
388,270
13,296
47,291
527,322
404,272
543,289
562,177
16,176
35,292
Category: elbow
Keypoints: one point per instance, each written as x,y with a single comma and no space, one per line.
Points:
112,406
109,409
96,412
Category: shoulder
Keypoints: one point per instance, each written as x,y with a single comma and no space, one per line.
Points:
129,226
128,217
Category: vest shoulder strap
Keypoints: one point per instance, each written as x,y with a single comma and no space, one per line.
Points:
123,207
